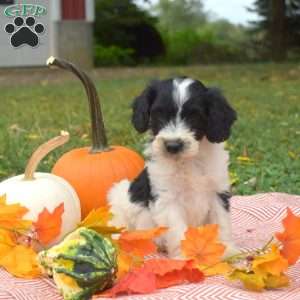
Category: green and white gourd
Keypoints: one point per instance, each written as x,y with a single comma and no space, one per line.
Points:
83,264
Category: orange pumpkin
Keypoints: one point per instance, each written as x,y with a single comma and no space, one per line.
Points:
93,171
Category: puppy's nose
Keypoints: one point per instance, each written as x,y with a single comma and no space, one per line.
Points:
174,146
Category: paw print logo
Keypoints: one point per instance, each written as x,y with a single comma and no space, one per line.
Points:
24,32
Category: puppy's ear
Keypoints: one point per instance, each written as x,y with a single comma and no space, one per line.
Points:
221,116
141,109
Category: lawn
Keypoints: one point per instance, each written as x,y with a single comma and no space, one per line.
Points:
265,145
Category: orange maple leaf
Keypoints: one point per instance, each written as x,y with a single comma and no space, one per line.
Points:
11,216
140,242
201,245
48,225
290,237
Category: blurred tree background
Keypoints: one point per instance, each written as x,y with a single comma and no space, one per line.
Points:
181,32
279,27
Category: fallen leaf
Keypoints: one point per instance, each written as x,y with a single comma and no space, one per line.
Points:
270,263
15,128
171,272
162,266
274,282
11,216
265,272
98,220
156,274
290,237
251,281
140,242
233,178
221,268
201,245
292,154
101,216
138,281
7,242
33,136
21,262
48,225
244,159
127,262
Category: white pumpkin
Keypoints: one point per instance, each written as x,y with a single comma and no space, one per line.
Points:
37,191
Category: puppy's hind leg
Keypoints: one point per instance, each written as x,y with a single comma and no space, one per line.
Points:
125,213
119,200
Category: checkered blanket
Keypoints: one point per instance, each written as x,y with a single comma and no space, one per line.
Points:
255,219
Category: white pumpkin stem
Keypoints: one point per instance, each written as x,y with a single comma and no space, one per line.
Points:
42,151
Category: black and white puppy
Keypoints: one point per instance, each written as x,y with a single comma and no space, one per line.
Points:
185,182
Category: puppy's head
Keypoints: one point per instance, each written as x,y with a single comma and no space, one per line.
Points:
180,112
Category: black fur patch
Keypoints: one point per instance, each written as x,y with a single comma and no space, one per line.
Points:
140,190
225,197
220,114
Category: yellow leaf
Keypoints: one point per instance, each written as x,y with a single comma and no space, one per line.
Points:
266,273
127,262
21,262
11,216
292,154
33,136
270,263
273,282
244,159
98,220
233,178
6,242
251,281
97,216
221,268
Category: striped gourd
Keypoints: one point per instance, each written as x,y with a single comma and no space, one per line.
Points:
83,264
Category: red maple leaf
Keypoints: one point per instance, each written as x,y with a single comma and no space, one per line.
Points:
48,225
156,274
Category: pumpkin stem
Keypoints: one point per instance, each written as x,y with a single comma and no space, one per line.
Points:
42,151
99,139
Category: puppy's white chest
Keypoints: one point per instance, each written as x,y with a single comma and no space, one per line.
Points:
196,199
186,186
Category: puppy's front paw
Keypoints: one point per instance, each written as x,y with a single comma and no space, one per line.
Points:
175,254
231,249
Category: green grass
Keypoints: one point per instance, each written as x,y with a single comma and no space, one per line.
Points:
35,105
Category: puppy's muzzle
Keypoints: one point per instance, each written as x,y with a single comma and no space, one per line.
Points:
174,146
